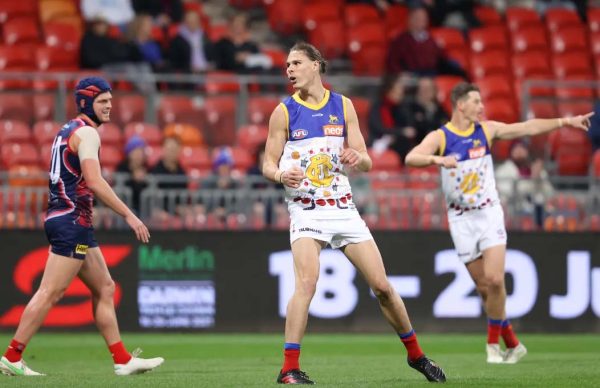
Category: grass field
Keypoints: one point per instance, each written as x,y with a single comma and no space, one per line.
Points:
349,360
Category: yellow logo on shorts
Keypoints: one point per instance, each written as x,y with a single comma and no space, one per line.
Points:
81,249
319,170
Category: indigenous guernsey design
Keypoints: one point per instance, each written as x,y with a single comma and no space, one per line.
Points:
470,186
69,195
316,134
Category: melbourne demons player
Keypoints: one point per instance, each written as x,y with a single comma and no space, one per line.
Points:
314,138
462,148
74,180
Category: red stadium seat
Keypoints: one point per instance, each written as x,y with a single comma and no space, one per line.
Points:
359,14
518,17
179,109
494,87
14,131
489,63
593,16
424,178
596,164
575,87
20,154
15,106
315,13
219,82
501,109
220,119
153,154
462,58
43,106
21,30
449,38
501,149
260,109
197,157
14,9
532,66
488,15
559,18
252,136
387,160
242,158
396,18
542,109
362,106
54,58
570,39
44,132
110,157
285,16
330,38
62,35
570,65
149,132
16,58
528,39
110,134
367,34
488,38
189,135
52,9
129,108
369,60
574,108
444,85
595,43
278,56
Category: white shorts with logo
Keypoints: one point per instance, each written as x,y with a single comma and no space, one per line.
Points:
337,231
472,233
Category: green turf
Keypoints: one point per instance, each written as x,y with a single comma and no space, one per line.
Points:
349,360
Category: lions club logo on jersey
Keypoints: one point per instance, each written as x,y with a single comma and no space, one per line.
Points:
319,169
333,119
298,134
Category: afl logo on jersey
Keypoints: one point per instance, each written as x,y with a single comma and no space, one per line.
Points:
298,134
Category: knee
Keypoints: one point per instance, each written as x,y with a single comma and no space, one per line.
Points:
494,282
51,295
307,286
383,290
107,290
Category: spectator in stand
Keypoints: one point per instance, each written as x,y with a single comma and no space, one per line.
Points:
237,52
135,165
115,12
389,121
221,179
426,113
140,34
164,12
416,52
98,49
522,180
170,175
190,50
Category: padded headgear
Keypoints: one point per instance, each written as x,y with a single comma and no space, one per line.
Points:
86,92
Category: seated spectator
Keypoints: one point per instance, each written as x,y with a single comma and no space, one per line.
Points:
134,164
115,12
140,34
98,49
163,12
237,52
170,175
190,50
389,122
221,179
426,112
415,50
524,181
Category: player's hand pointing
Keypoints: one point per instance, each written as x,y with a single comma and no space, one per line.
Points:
292,177
140,230
580,121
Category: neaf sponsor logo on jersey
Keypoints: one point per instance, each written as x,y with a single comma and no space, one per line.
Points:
478,152
333,130
298,134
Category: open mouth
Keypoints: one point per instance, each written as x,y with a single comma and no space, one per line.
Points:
292,79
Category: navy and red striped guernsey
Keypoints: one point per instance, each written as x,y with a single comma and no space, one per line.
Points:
69,195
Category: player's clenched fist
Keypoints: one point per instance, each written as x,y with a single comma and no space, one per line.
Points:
350,157
293,177
445,161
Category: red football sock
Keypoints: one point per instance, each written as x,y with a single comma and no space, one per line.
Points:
412,345
291,360
494,328
119,354
508,335
15,350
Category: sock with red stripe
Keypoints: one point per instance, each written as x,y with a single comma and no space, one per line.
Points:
508,335
15,350
494,328
291,353
119,354
412,345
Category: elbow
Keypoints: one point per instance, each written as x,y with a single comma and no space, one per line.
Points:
93,184
408,160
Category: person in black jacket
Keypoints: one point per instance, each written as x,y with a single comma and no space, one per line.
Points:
98,49
191,50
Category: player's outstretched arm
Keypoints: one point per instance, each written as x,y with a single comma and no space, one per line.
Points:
274,149
355,155
536,126
423,155
87,144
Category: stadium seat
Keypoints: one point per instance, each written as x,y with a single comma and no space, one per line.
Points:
14,131
396,18
369,60
449,38
569,39
501,149
489,63
387,160
285,16
220,119
487,38
153,154
45,131
43,106
519,17
51,9
62,35
596,164
149,132
461,57
20,154
14,9
359,14
15,106
542,109
110,157
16,59
20,31
574,163
179,109
577,87
45,156
260,108
57,59
196,157
559,18
571,64
128,108
444,85
367,35
572,151
251,137
494,87
574,108
362,106
532,66
110,135
189,135
27,176
219,82
242,159
593,16
488,15
424,178
330,38
501,109
278,56
315,13
529,39
595,43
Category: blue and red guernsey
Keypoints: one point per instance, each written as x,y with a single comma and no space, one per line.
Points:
69,195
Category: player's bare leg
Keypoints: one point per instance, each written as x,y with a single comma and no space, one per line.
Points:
367,259
94,273
58,274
